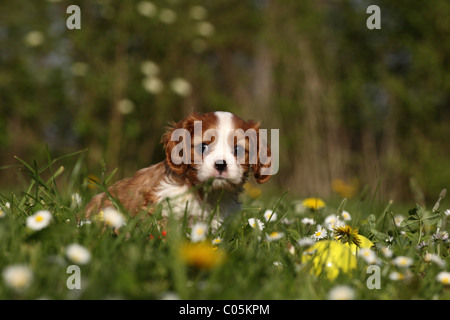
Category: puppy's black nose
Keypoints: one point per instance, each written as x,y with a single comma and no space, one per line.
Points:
220,165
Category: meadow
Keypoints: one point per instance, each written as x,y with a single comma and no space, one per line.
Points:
358,209
277,247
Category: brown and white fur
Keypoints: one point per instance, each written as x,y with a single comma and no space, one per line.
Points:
178,182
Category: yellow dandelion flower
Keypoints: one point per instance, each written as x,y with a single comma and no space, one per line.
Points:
252,191
329,257
92,181
313,203
350,237
347,234
201,255
344,189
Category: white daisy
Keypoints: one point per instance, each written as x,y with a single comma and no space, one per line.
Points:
398,219
149,68
256,223
389,239
443,277
198,232
299,207
112,217
278,264
153,84
320,233
332,221
2,213
39,220
125,106
76,200
170,296
368,255
341,292
198,12
215,224
167,16
181,87
431,257
78,254
387,253
308,221
270,215
402,261
346,216
305,242
216,241
291,248
34,38
17,277
205,29
274,236
146,8
287,221
396,276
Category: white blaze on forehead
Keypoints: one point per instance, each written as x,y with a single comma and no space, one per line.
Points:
225,120
225,128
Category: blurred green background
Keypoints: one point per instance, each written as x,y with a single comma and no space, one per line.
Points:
355,107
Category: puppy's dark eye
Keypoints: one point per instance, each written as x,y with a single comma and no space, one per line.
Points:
202,148
239,150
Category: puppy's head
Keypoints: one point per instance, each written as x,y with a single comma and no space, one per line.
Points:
218,145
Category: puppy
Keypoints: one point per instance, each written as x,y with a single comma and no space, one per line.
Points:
217,150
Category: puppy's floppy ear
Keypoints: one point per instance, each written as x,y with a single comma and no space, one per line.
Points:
262,164
177,144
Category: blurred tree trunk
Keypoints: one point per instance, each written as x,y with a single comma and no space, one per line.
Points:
323,147
115,135
262,87
315,148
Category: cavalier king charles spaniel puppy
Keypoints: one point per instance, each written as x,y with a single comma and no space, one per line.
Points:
208,159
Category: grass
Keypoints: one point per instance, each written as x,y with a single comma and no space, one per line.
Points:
149,259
